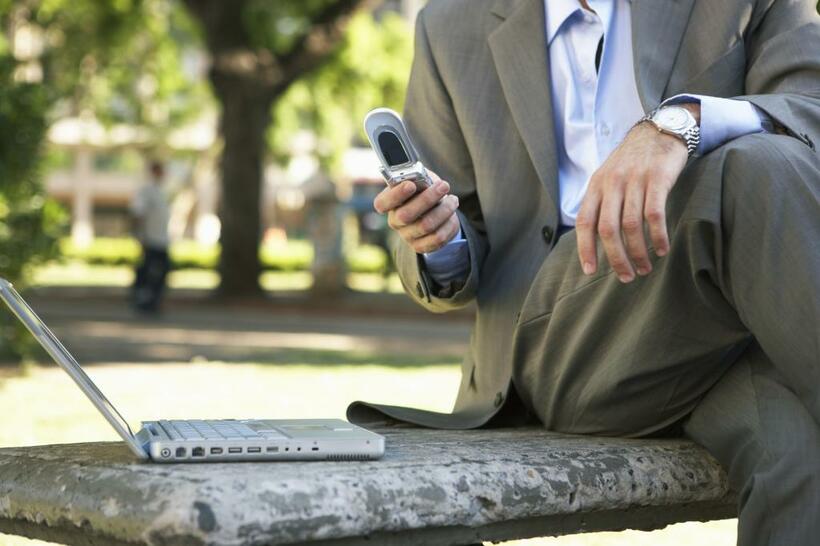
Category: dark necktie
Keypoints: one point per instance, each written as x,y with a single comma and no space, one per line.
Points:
598,54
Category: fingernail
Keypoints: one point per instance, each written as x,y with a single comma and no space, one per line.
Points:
643,271
456,198
625,278
661,252
444,188
589,269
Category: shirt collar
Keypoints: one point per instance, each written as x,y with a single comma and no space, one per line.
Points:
557,12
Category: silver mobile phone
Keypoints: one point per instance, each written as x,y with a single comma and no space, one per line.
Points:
399,160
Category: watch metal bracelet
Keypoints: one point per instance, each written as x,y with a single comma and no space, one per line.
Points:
690,137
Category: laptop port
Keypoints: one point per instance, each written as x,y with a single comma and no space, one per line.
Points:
180,452
234,450
314,449
198,452
272,449
216,451
254,450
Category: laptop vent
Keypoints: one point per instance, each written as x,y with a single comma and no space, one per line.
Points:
348,457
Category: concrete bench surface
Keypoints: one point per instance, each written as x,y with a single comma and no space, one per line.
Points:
432,487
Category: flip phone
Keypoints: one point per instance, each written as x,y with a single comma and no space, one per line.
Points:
399,160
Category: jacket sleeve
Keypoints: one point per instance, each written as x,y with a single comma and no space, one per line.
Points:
432,123
783,66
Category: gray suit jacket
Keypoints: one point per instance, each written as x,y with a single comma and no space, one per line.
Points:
479,109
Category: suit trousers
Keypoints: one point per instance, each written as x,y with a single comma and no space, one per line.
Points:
149,278
594,356
770,447
725,325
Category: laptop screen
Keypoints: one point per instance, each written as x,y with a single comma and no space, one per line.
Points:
67,362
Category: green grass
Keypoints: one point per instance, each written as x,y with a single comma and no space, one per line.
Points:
212,389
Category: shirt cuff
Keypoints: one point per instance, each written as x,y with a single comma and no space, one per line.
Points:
449,263
722,120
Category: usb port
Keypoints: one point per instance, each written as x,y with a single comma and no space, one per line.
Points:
272,449
234,450
216,451
314,449
198,452
254,450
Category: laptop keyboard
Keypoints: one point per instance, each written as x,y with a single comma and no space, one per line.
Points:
215,430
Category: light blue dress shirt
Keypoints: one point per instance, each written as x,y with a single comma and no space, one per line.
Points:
594,110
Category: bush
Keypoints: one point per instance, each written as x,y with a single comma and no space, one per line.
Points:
193,255
29,223
294,255
290,256
103,251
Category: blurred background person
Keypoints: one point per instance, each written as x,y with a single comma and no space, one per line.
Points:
150,215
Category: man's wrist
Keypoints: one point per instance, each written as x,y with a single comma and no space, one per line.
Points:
679,123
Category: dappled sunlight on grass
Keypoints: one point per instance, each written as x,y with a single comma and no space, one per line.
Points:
56,410
77,273
373,282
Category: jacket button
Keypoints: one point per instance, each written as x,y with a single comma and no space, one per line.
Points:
547,232
499,399
419,290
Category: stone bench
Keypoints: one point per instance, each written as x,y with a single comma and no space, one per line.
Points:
432,487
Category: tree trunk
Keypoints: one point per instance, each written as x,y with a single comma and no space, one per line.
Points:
245,117
246,81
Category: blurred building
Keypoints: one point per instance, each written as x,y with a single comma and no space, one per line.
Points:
99,169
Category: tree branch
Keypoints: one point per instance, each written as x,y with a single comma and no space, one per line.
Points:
325,34
258,70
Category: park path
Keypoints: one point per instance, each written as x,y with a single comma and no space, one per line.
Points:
98,327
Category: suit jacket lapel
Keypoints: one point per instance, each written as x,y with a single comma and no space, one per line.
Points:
519,52
657,31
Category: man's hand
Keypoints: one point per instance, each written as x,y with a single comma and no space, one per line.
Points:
629,188
426,221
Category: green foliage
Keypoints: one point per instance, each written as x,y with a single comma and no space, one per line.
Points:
295,255
29,224
370,69
125,61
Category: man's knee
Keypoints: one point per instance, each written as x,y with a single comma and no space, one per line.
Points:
759,151
759,168
749,179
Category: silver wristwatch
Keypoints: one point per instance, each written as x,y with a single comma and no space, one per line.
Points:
676,121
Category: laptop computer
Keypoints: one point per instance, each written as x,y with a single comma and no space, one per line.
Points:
183,441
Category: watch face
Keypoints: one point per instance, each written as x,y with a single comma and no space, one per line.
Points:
672,119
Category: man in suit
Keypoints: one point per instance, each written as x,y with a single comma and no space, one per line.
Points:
632,201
